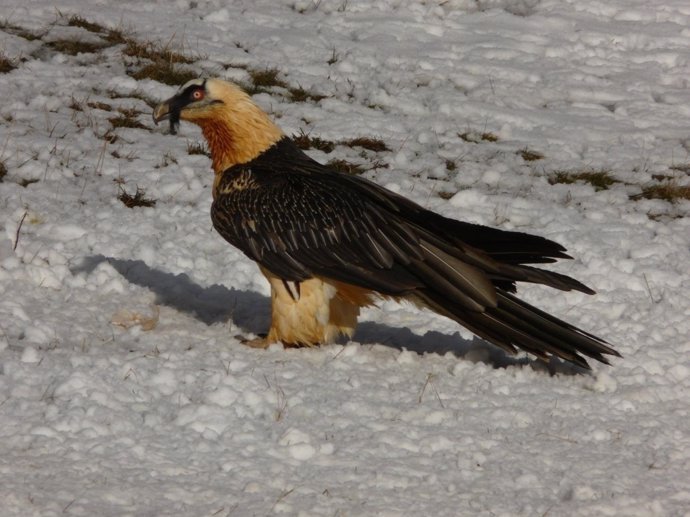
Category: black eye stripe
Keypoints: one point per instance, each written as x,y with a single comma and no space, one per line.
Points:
189,91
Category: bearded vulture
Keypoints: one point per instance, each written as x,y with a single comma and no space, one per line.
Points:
330,243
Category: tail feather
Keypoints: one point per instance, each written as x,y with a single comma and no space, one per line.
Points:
514,324
584,342
474,289
535,275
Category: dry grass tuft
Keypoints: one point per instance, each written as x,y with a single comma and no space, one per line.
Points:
530,156
76,104
263,80
346,167
684,167
600,180
155,52
127,117
6,64
20,31
668,191
157,62
100,106
266,78
109,136
115,36
165,73
111,36
138,199
475,137
299,94
73,47
78,21
371,144
305,142
25,182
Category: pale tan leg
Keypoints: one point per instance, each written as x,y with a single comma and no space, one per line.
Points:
313,313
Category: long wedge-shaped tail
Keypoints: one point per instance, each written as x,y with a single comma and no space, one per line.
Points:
514,324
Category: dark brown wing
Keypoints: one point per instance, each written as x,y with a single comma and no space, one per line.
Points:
299,219
299,225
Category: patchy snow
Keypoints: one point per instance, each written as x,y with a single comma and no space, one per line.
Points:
123,389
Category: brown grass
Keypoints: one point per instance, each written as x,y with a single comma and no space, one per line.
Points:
668,191
600,180
24,182
530,156
263,80
370,144
266,78
138,199
155,52
158,62
100,105
20,31
78,21
684,167
475,137
111,36
305,142
299,94
127,118
73,47
346,167
165,73
6,64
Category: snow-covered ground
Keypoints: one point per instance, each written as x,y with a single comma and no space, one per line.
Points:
123,389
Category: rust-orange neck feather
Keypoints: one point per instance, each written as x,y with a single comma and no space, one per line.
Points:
233,141
236,129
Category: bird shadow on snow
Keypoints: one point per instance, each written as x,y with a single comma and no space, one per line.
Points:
213,304
251,312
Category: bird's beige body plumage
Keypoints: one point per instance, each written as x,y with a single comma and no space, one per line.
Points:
323,311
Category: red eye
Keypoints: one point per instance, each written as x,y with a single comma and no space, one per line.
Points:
197,95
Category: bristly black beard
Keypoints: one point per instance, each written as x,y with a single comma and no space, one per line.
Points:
174,121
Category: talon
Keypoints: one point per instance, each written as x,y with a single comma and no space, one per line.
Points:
257,342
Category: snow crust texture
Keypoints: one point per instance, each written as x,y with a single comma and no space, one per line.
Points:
124,389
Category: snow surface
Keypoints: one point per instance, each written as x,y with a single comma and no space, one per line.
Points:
123,389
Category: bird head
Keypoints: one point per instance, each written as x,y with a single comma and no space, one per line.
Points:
191,101
236,129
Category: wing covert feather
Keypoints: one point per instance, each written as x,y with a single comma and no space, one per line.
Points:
297,226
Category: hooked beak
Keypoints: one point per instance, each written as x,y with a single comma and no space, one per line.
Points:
162,111
169,109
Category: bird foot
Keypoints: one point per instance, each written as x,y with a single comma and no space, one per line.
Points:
258,342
